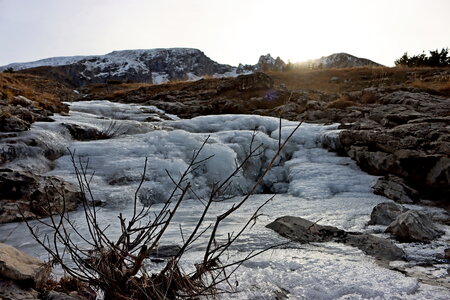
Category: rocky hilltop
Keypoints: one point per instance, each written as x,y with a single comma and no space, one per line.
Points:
152,66
341,60
146,66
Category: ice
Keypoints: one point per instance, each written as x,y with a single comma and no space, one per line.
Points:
313,183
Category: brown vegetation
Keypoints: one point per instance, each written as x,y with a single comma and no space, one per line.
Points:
44,93
353,79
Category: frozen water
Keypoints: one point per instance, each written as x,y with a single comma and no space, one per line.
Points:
314,184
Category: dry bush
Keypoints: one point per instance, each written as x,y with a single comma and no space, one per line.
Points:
369,98
116,266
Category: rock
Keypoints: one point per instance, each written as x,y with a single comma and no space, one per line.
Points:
385,213
414,226
251,82
85,133
377,247
165,251
19,266
52,295
33,194
304,231
10,290
13,124
21,100
395,188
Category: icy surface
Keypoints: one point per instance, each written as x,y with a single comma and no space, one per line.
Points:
312,183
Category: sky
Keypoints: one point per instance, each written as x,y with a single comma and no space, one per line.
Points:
228,31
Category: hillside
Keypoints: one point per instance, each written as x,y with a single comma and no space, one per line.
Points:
341,60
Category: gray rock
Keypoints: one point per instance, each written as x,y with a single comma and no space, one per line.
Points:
377,247
10,290
384,213
33,194
165,251
19,266
13,124
414,226
304,231
395,188
87,133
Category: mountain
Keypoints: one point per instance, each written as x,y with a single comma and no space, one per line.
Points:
341,60
153,66
162,65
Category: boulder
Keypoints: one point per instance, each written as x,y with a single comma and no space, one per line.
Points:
85,133
395,188
34,196
385,213
10,290
21,100
13,124
380,248
304,231
414,226
19,266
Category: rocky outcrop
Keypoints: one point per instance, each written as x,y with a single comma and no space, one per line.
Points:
304,231
22,192
407,136
385,213
414,226
341,60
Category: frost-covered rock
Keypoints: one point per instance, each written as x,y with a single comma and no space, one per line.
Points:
414,226
19,266
384,213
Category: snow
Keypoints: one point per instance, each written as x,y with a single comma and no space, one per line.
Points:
158,78
312,183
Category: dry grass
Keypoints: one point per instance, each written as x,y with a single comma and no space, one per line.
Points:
342,102
44,93
442,87
353,79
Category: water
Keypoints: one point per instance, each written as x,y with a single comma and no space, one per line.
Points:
311,182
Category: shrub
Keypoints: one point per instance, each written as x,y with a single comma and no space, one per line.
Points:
116,267
435,59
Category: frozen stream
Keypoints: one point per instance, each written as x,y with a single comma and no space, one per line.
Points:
309,181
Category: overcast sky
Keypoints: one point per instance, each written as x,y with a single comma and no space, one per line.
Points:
228,31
